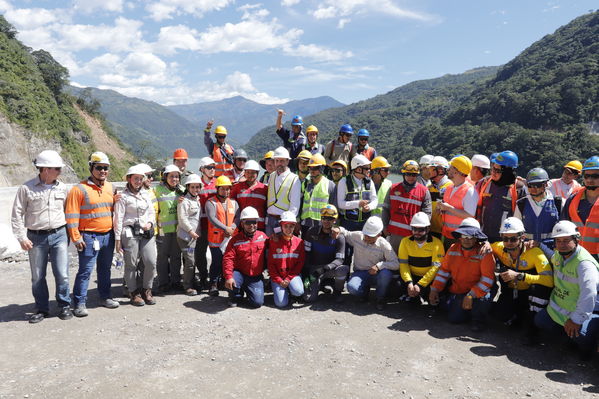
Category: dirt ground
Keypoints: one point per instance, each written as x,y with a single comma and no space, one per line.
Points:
198,347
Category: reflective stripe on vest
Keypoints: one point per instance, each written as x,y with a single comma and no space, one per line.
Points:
167,209
539,227
221,166
452,222
352,195
216,235
93,210
589,230
281,198
316,200
381,194
255,197
403,205
285,256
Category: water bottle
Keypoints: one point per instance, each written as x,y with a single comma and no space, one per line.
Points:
118,261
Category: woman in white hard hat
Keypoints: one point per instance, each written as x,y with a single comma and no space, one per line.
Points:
189,211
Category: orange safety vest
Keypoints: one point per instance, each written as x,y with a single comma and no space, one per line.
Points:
222,167
452,222
89,208
588,230
225,216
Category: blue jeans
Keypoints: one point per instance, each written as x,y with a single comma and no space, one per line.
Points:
251,285
56,245
589,332
87,259
453,304
360,281
216,267
281,295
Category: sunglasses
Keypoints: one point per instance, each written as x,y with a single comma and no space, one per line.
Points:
149,176
535,185
570,171
363,138
347,134
315,168
496,170
99,167
209,167
467,237
384,170
411,174
337,170
592,176
220,136
420,229
250,221
510,239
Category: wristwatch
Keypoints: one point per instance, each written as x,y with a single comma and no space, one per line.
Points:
520,276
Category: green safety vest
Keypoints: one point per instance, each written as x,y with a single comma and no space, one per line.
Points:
354,194
566,290
316,200
167,209
280,198
381,193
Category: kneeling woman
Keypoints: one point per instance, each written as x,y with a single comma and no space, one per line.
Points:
134,221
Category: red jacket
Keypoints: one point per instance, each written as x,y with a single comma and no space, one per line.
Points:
254,197
245,255
285,258
207,191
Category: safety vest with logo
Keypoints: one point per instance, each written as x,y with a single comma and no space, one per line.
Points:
403,205
566,289
89,208
222,167
315,200
357,194
437,193
539,227
225,216
452,222
280,198
167,209
381,194
254,196
589,230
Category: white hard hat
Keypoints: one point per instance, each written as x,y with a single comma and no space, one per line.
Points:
564,228
425,160
281,152
192,178
249,212
205,162
470,222
48,159
136,170
359,160
511,225
147,168
98,157
481,161
252,165
420,219
288,216
440,161
171,168
373,226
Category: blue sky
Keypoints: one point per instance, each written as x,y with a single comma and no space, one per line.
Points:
186,51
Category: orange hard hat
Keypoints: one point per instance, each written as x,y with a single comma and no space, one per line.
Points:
180,153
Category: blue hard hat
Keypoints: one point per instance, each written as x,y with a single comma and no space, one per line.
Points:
297,121
493,156
346,129
591,164
509,159
363,133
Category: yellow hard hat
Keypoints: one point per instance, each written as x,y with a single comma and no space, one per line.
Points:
329,210
340,162
317,160
269,155
220,130
312,128
380,162
576,165
305,154
223,181
462,163
410,166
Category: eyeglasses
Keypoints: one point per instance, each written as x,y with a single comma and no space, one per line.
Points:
209,167
535,185
100,167
411,174
496,170
510,239
337,170
250,221
220,136
593,176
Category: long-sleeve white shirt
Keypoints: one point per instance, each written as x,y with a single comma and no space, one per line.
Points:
342,190
380,253
133,207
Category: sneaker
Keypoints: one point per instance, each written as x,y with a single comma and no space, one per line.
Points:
65,313
191,292
109,303
327,289
213,291
37,317
80,311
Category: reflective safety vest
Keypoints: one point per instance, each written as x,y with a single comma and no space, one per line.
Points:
511,197
566,290
281,197
539,228
315,200
437,194
225,216
167,209
589,230
254,196
492,211
353,194
368,152
452,222
89,208
222,167
403,205
207,191
381,194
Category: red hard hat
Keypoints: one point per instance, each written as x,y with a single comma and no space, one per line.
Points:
180,153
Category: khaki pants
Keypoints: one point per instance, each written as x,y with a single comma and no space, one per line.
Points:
134,249
188,251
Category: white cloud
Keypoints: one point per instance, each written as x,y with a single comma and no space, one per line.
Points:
124,35
167,9
335,8
289,3
342,22
30,18
173,38
89,6
319,53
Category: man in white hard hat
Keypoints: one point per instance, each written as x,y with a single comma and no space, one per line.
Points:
480,170
438,183
425,175
284,191
244,261
89,224
374,260
573,303
38,223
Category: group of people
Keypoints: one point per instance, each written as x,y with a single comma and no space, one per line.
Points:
467,235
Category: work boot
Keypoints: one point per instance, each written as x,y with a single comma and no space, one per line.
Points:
136,299
213,291
80,310
37,317
148,297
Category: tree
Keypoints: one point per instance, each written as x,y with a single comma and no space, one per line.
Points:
7,28
55,75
